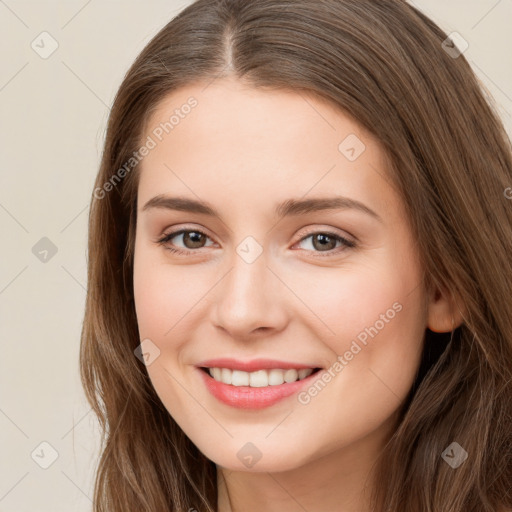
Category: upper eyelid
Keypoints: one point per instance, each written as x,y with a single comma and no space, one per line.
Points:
180,231
303,234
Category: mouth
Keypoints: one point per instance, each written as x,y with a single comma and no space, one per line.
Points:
259,378
267,383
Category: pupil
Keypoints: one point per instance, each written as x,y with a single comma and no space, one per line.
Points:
194,236
323,240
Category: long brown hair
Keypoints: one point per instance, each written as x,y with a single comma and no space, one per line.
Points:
384,63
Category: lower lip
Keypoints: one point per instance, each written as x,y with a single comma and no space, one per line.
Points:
247,397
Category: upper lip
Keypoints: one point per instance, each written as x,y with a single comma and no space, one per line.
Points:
253,365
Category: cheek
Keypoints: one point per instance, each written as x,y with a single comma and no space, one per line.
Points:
164,294
153,302
372,316
346,302
376,326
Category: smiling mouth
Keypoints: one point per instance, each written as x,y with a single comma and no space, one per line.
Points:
259,378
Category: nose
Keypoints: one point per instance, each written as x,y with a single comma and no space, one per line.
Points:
249,300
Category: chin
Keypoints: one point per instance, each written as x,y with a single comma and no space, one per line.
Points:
248,458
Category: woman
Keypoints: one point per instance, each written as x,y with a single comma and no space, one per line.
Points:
299,268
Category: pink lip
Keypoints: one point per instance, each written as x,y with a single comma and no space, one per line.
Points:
246,397
252,366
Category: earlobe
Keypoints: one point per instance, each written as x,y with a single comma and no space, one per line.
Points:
444,312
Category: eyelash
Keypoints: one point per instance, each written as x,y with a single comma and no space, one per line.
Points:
347,243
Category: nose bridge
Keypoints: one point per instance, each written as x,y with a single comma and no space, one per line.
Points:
248,298
247,281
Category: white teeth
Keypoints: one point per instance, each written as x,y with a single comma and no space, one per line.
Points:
305,372
239,378
275,377
260,378
225,375
291,375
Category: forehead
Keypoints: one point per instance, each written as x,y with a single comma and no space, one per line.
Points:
230,141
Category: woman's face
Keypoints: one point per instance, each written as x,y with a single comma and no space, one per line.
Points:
262,282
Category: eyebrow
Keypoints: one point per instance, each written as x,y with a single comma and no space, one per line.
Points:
290,207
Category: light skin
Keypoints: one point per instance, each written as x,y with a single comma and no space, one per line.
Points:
243,151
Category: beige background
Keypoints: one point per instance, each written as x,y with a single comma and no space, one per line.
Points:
53,115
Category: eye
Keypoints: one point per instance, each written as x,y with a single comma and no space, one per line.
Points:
325,242
321,241
192,238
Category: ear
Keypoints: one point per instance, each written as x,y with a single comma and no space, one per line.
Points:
444,311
